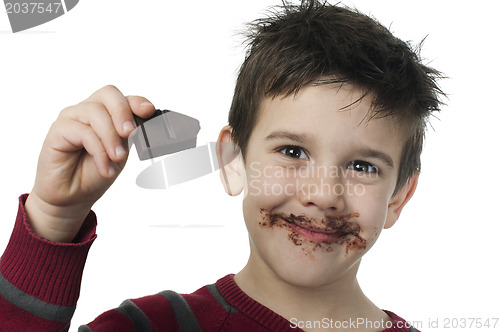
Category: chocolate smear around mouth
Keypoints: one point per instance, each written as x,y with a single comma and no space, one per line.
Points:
346,230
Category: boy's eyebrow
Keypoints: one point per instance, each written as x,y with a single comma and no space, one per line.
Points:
281,134
371,153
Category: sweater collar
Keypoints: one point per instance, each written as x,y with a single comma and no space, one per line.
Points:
251,308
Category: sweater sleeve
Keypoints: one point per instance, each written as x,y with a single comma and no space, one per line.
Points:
39,279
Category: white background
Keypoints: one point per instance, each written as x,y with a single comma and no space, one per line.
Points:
439,261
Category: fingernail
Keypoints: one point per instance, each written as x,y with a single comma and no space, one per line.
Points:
120,151
146,104
128,126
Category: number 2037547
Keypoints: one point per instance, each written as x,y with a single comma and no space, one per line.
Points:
470,323
33,7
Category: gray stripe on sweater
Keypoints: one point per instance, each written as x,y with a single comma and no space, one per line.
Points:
31,304
212,288
139,318
185,317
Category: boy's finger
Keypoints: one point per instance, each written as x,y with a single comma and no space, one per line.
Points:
76,135
98,118
141,106
118,107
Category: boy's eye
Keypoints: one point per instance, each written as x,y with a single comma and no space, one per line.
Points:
293,151
363,166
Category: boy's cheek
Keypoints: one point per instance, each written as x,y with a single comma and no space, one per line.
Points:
268,191
373,211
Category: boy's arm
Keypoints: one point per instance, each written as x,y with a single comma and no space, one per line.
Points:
39,279
82,155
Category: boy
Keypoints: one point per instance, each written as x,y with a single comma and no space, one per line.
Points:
329,114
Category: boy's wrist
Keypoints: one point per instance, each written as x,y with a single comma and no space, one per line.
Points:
56,224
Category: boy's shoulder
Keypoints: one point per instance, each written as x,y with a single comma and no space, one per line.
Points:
221,306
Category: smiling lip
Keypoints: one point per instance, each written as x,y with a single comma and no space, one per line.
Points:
337,227
314,234
310,232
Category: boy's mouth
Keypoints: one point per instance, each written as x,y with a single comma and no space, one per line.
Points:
339,229
328,230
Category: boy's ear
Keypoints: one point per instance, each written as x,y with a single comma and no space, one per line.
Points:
232,171
399,201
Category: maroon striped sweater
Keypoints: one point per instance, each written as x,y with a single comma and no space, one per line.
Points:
40,285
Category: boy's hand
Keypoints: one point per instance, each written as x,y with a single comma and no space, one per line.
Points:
83,154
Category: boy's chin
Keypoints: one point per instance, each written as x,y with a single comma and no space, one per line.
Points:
317,277
315,269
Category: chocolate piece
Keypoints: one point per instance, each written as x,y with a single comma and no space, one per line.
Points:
165,132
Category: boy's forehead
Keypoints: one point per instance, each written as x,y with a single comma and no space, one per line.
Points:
340,96
334,98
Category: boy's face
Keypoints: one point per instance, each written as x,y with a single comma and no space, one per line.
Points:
318,181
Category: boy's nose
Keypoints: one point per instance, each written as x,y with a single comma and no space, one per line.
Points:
327,193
